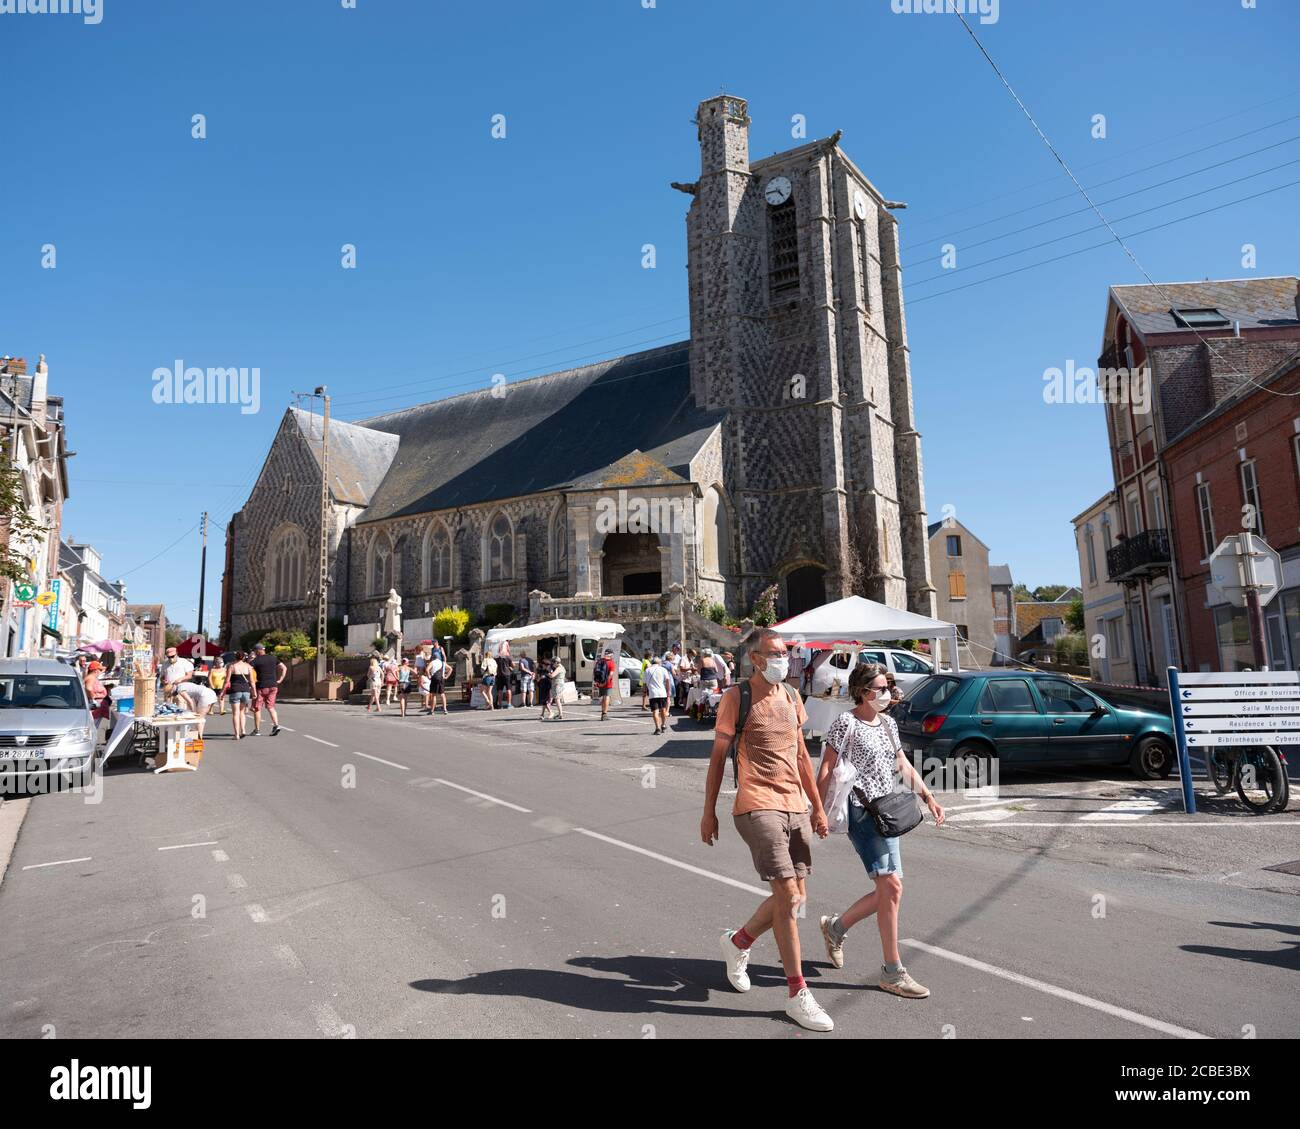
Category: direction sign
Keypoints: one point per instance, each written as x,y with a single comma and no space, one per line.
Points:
1238,693
1240,709
1209,740
1244,562
1211,724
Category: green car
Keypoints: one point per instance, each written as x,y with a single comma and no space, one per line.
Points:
1030,718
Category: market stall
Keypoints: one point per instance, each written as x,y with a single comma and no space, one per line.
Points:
577,643
144,727
849,625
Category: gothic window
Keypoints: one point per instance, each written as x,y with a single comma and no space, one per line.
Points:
717,541
500,549
437,557
286,578
381,565
864,274
783,254
560,541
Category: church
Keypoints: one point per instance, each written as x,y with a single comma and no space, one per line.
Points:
777,445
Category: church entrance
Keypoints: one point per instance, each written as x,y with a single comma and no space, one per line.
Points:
630,566
805,589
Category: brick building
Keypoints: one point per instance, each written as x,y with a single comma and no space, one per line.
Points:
1190,348
1240,460
777,445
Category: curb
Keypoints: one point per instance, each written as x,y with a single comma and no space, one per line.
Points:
12,814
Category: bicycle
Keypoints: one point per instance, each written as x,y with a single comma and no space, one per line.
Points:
1258,772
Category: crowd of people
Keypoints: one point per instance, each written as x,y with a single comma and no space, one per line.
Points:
425,679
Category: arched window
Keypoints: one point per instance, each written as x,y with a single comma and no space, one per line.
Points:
560,541
500,549
381,565
286,576
783,251
437,557
717,536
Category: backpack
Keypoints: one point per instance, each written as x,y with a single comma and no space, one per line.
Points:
742,715
601,672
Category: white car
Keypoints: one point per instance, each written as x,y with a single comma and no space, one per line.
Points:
45,725
907,667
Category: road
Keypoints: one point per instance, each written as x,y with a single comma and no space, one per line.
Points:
364,876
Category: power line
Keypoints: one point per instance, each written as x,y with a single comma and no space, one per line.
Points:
1113,199
1084,192
1127,152
1121,219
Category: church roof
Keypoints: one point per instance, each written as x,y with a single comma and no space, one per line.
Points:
359,456
634,469
541,434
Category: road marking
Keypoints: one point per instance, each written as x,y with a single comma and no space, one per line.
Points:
256,912
675,862
391,764
183,846
319,741
220,856
981,804
984,815
61,862
1061,993
236,881
288,956
328,1021
288,730
1157,823
1125,809
484,796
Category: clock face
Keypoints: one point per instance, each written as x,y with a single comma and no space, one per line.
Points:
860,205
777,190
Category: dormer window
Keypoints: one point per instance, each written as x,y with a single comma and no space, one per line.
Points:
1203,318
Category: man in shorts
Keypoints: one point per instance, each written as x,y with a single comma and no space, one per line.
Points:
270,673
658,685
602,682
775,787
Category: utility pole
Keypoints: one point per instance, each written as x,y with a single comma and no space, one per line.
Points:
322,608
203,575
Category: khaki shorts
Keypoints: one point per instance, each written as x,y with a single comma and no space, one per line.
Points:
779,841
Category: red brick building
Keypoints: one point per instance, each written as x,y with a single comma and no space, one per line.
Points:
1241,459
1189,353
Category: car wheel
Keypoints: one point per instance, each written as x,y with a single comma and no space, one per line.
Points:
973,765
1153,759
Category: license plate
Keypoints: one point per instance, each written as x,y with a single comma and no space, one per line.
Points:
22,754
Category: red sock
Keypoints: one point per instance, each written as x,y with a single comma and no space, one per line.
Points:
796,985
741,939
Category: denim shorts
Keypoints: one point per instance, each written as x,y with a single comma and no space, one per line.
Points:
240,697
879,854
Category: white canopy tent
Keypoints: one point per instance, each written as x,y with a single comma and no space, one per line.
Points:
551,628
859,620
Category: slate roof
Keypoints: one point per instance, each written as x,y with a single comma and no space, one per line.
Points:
1000,574
1254,302
543,434
359,456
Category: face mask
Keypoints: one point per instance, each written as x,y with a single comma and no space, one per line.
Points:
776,669
883,697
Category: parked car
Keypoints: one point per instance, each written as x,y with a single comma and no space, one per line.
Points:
1029,718
907,667
45,723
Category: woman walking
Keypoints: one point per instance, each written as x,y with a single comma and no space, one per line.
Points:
375,684
489,680
544,686
240,681
557,688
217,680
869,739
405,684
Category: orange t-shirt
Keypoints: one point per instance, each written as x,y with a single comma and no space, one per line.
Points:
768,757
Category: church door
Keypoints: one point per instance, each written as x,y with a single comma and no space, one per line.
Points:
805,589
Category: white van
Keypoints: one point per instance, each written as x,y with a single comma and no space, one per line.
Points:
907,667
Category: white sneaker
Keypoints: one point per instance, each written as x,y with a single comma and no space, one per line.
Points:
807,1012
737,962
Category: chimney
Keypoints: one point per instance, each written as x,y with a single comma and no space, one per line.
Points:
40,384
15,366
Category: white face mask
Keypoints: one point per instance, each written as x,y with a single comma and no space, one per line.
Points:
776,669
882,697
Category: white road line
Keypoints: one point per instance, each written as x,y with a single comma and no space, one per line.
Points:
1061,993
236,881
328,1021
61,862
1294,825
256,912
484,796
182,846
990,803
1125,809
391,764
220,856
288,956
675,862
319,741
288,730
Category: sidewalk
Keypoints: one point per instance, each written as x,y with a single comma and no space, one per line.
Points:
12,814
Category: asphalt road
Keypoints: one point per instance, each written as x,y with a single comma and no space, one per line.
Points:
368,876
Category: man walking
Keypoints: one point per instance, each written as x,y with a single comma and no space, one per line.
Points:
270,673
603,681
658,685
775,786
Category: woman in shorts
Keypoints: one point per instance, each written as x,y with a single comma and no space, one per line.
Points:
869,738
405,684
375,684
240,680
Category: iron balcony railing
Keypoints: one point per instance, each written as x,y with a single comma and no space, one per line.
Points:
1142,554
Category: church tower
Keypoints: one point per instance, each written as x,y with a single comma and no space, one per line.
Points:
797,333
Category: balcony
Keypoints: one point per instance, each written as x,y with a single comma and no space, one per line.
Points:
1141,555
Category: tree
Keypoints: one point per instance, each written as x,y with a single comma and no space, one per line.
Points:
451,621
1074,617
1022,594
764,613
16,524
1049,592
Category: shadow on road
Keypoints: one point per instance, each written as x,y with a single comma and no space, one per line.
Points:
670,985
1288,958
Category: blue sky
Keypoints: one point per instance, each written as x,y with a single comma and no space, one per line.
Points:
372,126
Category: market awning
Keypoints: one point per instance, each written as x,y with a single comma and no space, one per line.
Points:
865,621
552,628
